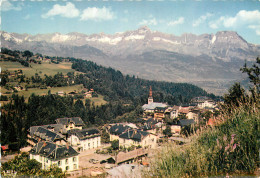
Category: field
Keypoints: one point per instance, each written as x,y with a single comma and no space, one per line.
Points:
97,100
41,69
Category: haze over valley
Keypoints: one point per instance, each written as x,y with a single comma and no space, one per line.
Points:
211,61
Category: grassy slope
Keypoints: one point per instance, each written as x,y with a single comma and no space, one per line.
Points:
49,69
230,148
41,69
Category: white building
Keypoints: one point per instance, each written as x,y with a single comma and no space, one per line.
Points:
49,154
117,129
71,123
48,133
136,138
85,139
206,104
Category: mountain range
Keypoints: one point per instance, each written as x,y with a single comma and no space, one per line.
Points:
211,61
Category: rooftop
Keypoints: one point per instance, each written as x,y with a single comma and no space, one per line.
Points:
136,135
118,129
186,122
154,105
45,134
52,151
65,121
84,133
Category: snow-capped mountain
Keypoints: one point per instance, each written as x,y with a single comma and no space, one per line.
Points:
224,45
149,54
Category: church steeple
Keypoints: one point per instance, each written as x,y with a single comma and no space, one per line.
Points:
150,98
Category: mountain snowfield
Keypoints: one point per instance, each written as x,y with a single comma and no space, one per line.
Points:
208,60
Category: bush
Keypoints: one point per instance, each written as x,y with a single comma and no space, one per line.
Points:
25,166
3,98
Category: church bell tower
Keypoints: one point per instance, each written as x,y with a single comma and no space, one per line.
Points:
150,98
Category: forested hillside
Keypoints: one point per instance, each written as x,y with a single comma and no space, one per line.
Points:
115,85
124,94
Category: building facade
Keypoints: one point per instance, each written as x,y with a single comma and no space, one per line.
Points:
49,154
136,138
85,139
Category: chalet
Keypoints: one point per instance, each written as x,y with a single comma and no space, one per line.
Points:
60,93
116,130
193,114
174,111
204,102
41,133
49,154
159,113
71,123
136,138
4,148
84,139
88,94
150,126
175,129
18,88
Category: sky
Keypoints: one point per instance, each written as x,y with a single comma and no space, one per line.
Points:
111,16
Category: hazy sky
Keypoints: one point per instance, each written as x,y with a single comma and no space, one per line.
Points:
174,17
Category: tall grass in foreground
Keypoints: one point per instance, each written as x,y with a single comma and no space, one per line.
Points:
232,147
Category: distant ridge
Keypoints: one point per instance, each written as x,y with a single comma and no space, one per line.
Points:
208,60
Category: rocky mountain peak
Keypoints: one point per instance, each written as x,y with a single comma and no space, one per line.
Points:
143,30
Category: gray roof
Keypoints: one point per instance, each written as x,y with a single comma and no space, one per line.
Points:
136,135
59,128
84,133
154,105
65,121
52,151
45,134
149,124
186,122
118,129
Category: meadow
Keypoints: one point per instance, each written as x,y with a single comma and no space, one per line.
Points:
231,148
42,69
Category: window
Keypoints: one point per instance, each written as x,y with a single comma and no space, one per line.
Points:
46,160
59,163
93,144
88,144
75,166
74,159
66,161
67,168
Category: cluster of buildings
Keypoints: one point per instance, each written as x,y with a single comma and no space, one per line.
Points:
61,143
88,94
186,114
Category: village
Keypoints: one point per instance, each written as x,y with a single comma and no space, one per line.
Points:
116,149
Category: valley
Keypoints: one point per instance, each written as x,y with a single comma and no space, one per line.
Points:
210,61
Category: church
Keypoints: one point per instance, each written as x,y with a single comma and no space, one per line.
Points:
151,107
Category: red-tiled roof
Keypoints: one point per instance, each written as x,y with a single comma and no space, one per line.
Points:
4,147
